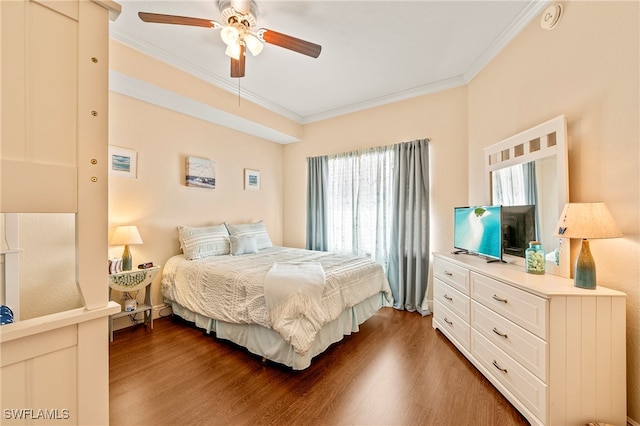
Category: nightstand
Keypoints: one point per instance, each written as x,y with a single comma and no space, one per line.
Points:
128,281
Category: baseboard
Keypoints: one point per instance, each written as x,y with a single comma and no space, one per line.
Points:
631,422
156,312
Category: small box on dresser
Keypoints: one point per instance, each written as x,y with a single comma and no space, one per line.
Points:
556,352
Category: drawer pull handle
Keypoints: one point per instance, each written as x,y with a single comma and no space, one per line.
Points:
495,330
447,273
495,364
447,321
449,298
499,299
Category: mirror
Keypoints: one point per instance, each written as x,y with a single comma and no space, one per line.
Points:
38,256
531,168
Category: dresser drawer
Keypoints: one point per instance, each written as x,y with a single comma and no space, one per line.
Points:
529,390
525,309
454,275
523,346
457,302
452,325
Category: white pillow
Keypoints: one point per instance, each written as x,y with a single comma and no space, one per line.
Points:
204,241
257,229
244,244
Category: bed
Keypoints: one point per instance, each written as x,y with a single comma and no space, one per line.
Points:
284,304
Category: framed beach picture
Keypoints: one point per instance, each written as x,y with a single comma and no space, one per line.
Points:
201,172
123,162
251,179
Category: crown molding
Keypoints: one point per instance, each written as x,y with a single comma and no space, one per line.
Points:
522,20
388,99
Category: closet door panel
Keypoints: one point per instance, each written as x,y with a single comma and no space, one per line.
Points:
40,128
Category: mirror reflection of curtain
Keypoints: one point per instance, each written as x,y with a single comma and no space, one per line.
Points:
531,190
509,187
516,186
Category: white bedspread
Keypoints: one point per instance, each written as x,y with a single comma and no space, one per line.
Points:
231,289
293,290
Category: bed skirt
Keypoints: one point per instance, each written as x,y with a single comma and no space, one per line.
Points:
269,344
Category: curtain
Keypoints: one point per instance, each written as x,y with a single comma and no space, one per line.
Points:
531,191
317,178
509,186
359,204
409,253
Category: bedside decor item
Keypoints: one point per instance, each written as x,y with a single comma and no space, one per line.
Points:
251,179
586,221
535,258
125,235
200,172
123,162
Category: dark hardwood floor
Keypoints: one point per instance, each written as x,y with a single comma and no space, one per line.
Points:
397,370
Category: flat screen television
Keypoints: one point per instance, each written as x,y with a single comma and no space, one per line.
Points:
518,229
477,230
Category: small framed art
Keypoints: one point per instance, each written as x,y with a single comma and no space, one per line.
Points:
123,162
251,179
201,172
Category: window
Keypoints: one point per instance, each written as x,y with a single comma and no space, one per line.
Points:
359,201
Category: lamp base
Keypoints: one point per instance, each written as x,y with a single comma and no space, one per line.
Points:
126,258
585,272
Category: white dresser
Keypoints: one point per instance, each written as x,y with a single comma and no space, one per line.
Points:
556,352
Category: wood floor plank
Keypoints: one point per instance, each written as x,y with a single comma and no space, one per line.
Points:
397,370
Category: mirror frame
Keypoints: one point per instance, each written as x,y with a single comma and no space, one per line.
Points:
544,140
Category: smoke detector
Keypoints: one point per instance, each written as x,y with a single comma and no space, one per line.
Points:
551,17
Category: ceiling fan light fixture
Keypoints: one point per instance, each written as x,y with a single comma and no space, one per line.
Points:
233,51
253,44
230,35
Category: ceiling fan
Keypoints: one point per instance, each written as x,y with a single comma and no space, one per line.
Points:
237,32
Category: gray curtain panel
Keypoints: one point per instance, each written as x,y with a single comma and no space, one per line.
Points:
317,183
409,255
531,190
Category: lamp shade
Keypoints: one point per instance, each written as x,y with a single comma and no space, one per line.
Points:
124,235
587,221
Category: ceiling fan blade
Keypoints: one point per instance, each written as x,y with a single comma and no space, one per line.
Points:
237,65
177,20
291,43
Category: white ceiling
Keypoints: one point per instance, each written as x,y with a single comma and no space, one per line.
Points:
373,52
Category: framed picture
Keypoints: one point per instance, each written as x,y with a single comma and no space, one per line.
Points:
200,172
123,162
251,179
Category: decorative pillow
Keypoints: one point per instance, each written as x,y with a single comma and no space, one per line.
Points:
244,244
205,241
257,229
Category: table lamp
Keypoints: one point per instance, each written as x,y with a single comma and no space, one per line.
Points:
586,221
126,235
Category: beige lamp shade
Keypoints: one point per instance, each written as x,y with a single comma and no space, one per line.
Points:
124,235
587,221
